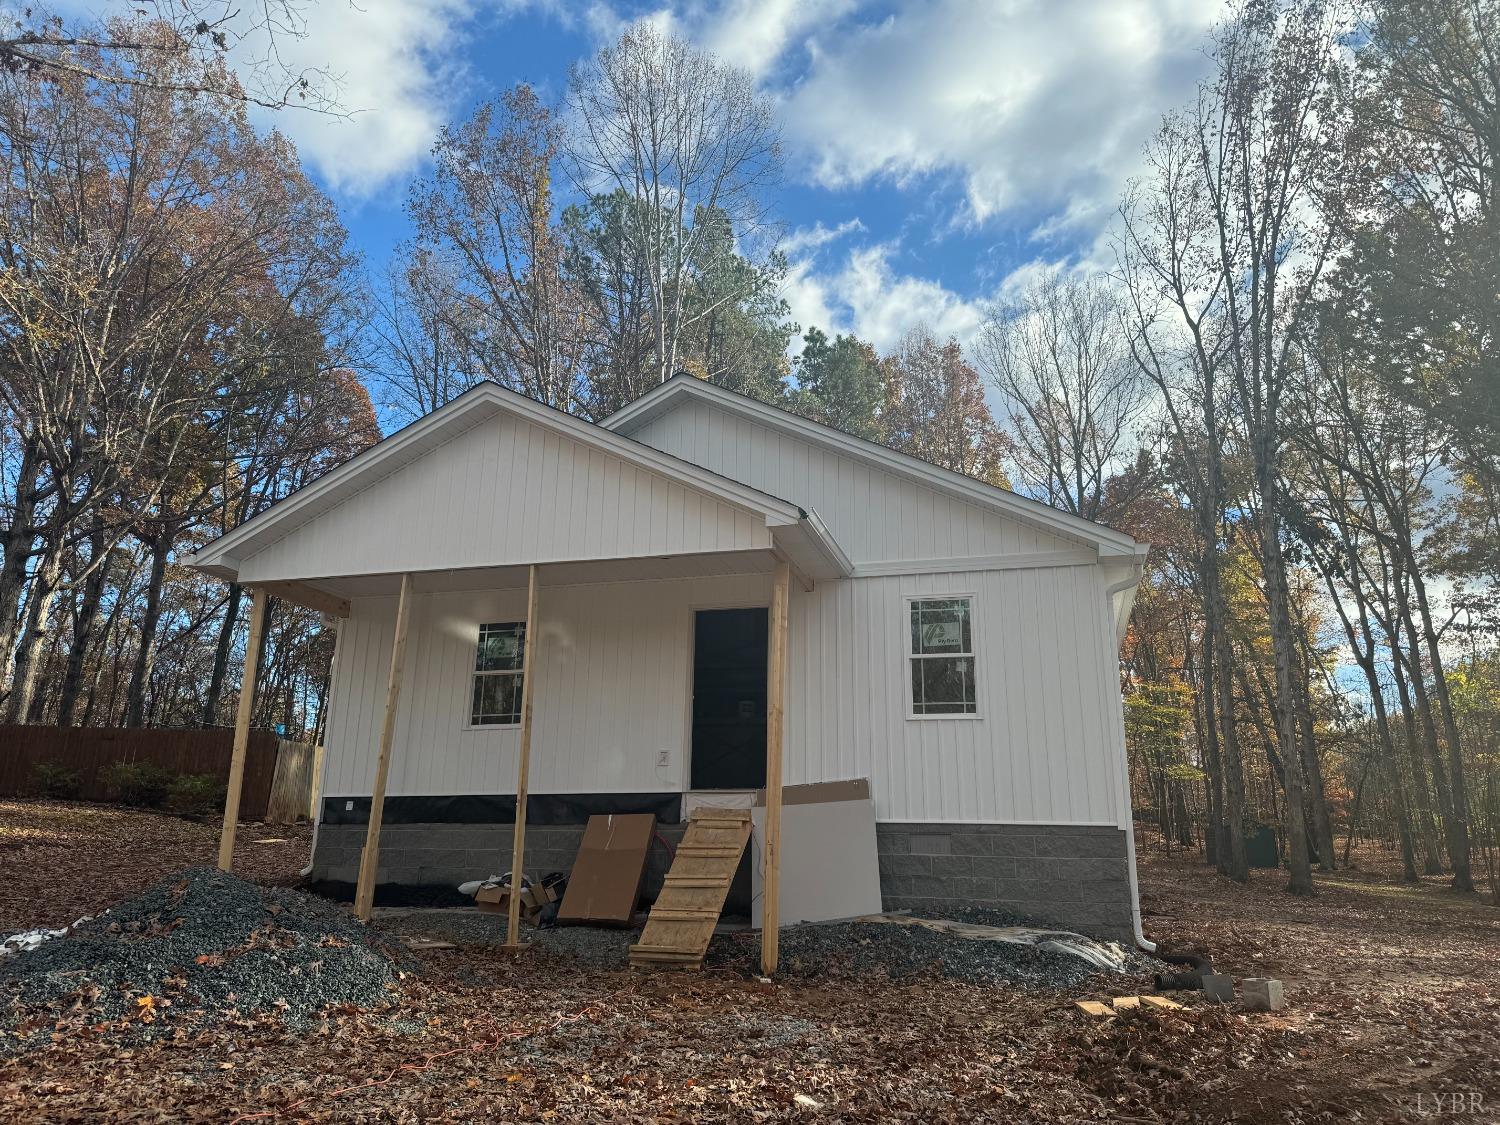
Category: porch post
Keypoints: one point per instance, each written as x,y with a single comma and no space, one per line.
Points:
369,860
246,709
775,731
518,835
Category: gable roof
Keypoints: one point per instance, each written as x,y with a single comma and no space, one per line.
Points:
799,531
684,388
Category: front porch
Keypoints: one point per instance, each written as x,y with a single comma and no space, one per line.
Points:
602,718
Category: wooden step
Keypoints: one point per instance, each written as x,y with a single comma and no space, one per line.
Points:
669,915
682,921
696,881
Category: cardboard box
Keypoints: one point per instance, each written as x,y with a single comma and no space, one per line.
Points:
493,900
606,878
537,896
496,900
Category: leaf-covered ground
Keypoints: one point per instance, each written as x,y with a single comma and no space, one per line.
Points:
1394,999
60,862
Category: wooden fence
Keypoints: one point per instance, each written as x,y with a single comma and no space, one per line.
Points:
88,750
294,788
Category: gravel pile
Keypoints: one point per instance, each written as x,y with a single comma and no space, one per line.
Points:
838,949
857,949
200,940
600,947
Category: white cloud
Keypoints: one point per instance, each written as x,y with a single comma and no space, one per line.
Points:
754,34
817,235
398,73
397,69
867,296
1038,105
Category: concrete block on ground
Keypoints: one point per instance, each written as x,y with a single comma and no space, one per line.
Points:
1218,987
1262,994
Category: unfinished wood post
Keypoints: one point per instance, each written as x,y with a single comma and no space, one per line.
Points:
518,836
775,728
369,860
246,709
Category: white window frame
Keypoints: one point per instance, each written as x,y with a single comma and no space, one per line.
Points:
475,673
909,656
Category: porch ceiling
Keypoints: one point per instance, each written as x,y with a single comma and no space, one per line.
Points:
553,574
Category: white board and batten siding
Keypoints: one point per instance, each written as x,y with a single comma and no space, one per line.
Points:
613,693
877,516
1043,747
506,491
614,683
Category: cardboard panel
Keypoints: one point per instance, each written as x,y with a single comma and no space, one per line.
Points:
606,878
829,865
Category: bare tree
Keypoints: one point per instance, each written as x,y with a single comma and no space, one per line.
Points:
1262,144
420,364
156,252
239,51
1165,255
1059,356
682,135
491,253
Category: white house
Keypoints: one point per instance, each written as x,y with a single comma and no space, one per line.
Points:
952,642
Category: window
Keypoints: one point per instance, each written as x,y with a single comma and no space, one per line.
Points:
497,674
942,657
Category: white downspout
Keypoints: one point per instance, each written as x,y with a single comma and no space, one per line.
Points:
1127,587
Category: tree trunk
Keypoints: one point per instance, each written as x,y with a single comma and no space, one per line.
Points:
1180,814
1463,878
34,635
159,546
1393,774
221,656
1233,860
1432,862
1278,601
85,615
1318,802
1208,739
1454,832
17,545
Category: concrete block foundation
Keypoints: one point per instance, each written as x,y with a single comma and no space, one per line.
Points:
1069,875
1072,876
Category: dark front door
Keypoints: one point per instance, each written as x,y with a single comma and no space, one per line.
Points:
729,699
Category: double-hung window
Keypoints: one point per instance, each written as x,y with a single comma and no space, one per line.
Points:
942,657
497,674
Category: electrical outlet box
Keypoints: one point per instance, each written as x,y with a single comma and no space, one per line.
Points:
663,759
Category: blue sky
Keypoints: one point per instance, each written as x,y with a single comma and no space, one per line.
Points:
936,151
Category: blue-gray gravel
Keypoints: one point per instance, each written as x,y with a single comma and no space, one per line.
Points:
207,941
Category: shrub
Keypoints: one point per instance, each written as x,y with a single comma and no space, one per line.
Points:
195,794
53,779
137,783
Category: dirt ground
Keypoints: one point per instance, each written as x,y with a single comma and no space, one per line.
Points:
1393,1015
